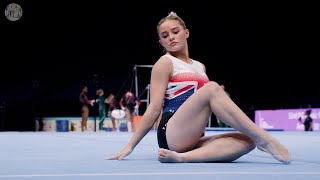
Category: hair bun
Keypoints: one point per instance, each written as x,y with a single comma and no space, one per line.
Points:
172,14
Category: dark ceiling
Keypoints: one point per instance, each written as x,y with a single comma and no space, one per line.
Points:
264,54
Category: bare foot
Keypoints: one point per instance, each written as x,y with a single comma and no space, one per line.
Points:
277,150
167,156
260,148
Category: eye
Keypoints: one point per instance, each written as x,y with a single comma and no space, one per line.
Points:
164,35
176,31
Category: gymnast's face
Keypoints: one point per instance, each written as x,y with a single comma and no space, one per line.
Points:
85,89
173,37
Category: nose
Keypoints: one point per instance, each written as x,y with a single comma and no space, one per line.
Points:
171,37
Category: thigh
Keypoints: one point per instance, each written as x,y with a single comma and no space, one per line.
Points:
238,136
103,113
188,123
161,131
225,147
85,112
130,108
128,114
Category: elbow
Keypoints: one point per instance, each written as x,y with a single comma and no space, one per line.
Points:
155,109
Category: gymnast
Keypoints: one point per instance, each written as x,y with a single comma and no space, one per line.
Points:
181,90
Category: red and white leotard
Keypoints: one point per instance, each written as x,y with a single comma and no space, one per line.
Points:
185,80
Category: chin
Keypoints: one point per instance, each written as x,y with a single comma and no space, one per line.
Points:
174,49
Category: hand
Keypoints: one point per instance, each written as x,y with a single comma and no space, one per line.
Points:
120,156
136,106
122,107
91,102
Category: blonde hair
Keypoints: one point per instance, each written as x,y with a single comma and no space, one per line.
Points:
99,91
172,16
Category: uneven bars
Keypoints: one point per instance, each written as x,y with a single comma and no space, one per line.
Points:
136,78
150,66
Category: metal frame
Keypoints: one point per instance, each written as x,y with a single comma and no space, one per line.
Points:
135,69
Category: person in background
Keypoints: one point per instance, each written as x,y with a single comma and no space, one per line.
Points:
111,101
101,100
129,103
84,107
308,121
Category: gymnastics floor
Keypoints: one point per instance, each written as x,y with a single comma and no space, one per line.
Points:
77,155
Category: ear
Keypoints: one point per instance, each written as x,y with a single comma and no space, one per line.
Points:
187,33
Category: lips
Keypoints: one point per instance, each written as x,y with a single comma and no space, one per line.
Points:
173,43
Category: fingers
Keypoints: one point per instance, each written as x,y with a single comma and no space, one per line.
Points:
121,157
116,157
111,158
121,154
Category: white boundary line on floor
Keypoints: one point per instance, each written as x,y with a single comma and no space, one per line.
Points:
164,173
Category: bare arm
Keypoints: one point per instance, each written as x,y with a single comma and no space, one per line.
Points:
160,75
159,81
109,99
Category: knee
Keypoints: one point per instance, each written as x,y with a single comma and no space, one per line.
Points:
250,144
213,87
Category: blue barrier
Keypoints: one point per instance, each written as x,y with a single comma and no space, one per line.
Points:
62,125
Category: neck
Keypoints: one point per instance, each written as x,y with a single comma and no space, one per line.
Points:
183,56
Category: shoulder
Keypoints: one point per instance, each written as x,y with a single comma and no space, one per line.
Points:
200,64
162,63
163,68
163,60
